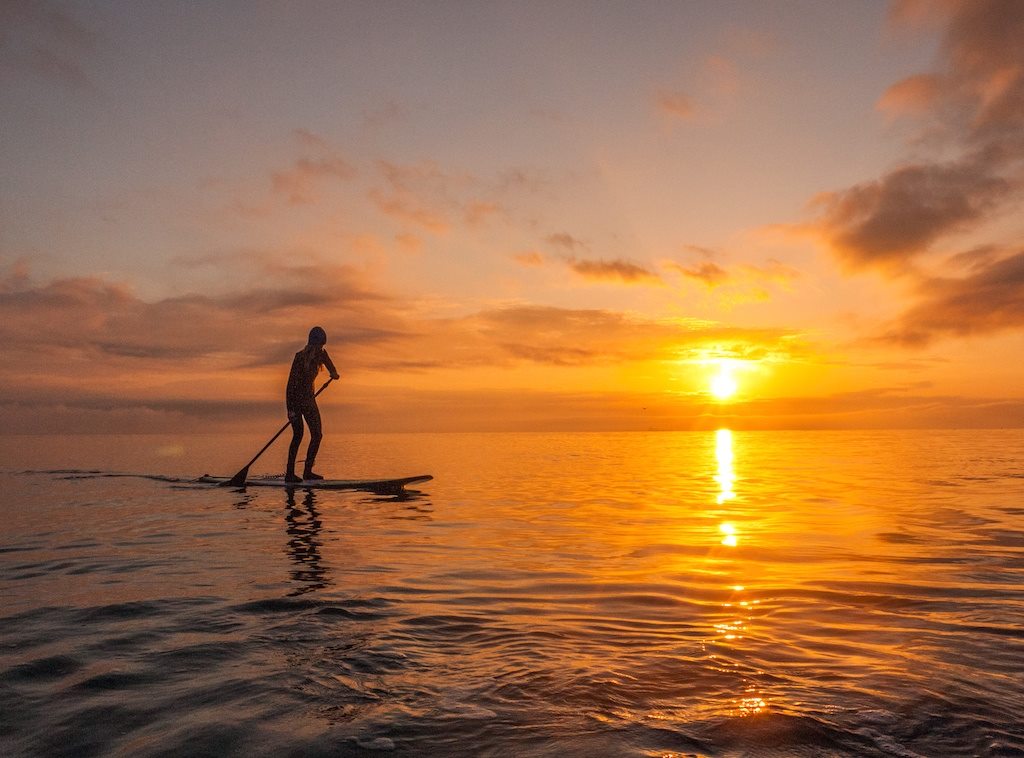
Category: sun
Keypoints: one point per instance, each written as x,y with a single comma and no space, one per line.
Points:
723,384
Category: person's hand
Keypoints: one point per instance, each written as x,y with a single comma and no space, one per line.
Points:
335,377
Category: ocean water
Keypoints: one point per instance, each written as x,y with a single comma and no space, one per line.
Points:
663,594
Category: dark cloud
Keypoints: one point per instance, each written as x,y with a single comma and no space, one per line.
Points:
565,241
89,315
616,270
40,39
899,216
974,258
613,271
972,105
989,300
563,355
984,45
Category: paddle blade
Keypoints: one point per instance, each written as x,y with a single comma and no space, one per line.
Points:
238,480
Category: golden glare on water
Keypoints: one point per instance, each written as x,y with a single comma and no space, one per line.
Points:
726,475
733,626
729,534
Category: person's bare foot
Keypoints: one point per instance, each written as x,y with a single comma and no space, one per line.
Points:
311,475
292,479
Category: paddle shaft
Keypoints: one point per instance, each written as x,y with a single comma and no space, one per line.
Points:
239,478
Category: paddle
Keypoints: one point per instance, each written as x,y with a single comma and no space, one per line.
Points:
238,480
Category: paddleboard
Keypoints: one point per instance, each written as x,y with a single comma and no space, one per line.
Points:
371,485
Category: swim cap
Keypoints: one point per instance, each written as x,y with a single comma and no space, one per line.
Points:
317,336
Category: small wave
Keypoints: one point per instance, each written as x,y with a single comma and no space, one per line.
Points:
97,474
43,669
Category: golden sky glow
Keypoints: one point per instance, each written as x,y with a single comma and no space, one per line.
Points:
760,215
723,382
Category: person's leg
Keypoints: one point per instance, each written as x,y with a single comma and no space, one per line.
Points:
312,415
293,448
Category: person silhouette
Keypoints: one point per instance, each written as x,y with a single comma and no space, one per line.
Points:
300,401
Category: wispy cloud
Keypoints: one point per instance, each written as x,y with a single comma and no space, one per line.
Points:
707,272
714,83
299,182
42,39
676,105
425,196
988,300
914,95
529,258
617,270
387,114
744,280
565,241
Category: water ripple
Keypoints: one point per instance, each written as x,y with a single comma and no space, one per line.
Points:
550,595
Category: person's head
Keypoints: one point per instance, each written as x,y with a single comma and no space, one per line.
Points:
317,336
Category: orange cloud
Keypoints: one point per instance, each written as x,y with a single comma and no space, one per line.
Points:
913,95
709,273
477,211
122,352
613,270
676,105
423,195
299,182
744,275
410,243
530,258
722,75
128,365
404,208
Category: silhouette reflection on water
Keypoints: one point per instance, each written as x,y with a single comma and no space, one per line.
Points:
303,526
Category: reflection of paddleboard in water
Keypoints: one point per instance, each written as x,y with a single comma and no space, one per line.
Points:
372,485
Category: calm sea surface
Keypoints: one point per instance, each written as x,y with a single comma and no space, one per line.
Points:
663,594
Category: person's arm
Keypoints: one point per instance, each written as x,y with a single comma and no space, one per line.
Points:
329,365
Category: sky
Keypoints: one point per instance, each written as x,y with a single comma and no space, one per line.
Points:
768,214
